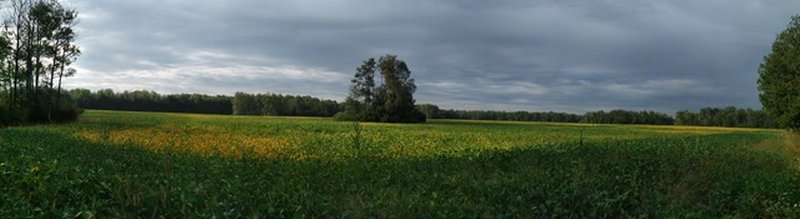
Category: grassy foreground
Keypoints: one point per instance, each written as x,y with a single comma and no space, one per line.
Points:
126,164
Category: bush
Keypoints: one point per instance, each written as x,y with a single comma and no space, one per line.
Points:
345,116
9,117
53,107
5,116
48,108
66,110
421,117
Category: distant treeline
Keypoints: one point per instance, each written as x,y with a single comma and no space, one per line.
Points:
727,117
612,117
288,105
433,112
627,117
282,105
239,104
142,100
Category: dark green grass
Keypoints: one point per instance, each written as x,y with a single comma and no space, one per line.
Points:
46,172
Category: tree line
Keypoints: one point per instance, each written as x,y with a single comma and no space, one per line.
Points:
727,117
287,105
627,117
36,49
142,100
611,117
282,105
433,112
239,104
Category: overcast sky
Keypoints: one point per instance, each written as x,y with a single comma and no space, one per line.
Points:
559,55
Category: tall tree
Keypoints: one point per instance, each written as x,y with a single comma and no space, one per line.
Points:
391,101
64,49
363,93
363,83
37,47
399,102
6,76
246,104
779,77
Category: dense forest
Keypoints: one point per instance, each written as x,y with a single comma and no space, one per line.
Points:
612,117
282,105
433,112
627,117
239,104
142,100
728,117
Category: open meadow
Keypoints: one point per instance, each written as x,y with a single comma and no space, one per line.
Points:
135,164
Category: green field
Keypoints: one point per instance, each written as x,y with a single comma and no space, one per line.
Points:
130,164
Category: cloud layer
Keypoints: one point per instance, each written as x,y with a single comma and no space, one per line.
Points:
546,55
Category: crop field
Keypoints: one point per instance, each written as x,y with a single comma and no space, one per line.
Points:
135,164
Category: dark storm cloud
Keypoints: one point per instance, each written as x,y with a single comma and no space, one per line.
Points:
510,55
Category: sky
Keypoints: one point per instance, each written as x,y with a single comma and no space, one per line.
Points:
533,55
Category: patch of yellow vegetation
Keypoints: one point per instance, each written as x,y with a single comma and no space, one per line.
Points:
88,135
788,142
792,138
198,141
696,130
792,142
312,138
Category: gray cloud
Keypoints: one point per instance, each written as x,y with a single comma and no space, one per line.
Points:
508,55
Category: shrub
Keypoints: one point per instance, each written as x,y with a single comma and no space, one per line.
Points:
53,107
9,117
66,110
345,116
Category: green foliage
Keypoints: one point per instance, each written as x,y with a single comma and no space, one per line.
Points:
142,100
343,116
246,104
391,101
627,117
36,48
53,107
398,88
9,117
101,167
63,109
363,87
726,117
433,112
282,105
779,77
